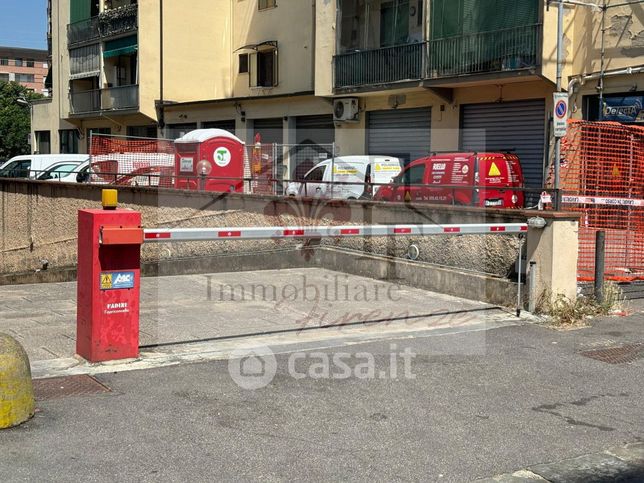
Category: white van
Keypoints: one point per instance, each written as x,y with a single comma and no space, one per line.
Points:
33,165
344,171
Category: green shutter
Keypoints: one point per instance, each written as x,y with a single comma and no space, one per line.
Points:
79,10
122,46
461,17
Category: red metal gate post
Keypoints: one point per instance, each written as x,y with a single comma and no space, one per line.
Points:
109,261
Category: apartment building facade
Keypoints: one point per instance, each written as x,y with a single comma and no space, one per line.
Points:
28,67
396,77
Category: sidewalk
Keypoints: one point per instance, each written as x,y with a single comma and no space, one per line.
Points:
529,398
193,307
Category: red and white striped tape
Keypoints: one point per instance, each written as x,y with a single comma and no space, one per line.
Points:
601,200
276,232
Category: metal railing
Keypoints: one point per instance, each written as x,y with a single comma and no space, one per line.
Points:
380,66
85,101
114,98
122,97
497,51
117,21
83,31
486,52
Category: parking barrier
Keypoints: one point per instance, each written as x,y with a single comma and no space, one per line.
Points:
109,265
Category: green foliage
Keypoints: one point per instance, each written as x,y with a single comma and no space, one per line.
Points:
14,119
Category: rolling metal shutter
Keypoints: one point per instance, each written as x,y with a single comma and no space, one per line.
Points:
227,125
315,136
270,130
315,129
512,125
403,133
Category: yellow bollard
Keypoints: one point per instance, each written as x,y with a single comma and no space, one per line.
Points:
16,392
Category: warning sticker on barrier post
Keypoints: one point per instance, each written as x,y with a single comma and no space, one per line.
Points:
560,118
117,280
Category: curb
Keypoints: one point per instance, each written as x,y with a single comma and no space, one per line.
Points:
623,464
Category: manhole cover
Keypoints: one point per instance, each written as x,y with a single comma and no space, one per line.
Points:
617,355
57,387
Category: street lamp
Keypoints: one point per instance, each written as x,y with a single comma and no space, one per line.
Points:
23,101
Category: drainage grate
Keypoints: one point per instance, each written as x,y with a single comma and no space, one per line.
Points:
68,386
617,355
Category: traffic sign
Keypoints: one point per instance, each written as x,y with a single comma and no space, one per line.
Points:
561,114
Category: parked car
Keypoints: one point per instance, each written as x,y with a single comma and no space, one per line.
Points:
33,165
487,178
65,172
345,171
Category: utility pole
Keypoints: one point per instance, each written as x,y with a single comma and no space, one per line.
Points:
560,15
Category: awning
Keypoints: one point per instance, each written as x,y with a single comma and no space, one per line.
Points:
85,75
267,44
122,46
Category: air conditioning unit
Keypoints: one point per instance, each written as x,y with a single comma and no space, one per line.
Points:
346,110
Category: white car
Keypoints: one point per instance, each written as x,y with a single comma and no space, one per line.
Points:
344,171
33,165
66,172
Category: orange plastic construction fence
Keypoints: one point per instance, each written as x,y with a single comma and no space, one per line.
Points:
602,176
132,161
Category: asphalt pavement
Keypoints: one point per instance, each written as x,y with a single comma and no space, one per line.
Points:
530,397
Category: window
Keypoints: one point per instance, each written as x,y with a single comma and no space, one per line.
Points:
266,61
105,131
243,63
58,171
43,142
68,141
316,175
28,78
4,61
263,4
394,19
30,62
414,175
17,169
4,77
19,62
142,131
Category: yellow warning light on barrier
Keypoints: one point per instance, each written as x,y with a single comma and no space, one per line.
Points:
110,199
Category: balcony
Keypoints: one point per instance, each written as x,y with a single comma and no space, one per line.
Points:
118,21
122,98
85,31
497,51
85,102
380,66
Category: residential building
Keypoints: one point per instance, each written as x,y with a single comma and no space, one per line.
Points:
412,76
28,67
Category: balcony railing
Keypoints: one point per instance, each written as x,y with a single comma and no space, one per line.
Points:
117,21
380,66
83,31
111,99
498,51
85,102
117,98
487,52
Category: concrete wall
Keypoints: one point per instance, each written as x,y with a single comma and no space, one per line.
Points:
39,222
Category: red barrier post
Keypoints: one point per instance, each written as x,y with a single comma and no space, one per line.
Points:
108,291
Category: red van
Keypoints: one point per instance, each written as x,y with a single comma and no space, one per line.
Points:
436,178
